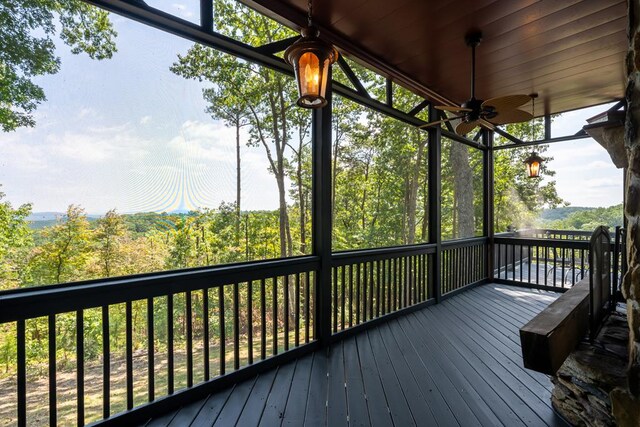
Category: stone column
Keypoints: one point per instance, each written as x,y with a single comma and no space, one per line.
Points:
626,403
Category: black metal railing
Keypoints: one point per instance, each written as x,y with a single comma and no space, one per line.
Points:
190,327
369,284
463,263
556,263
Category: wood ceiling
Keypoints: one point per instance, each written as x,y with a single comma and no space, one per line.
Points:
570,52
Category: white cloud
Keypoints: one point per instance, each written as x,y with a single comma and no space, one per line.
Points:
145,120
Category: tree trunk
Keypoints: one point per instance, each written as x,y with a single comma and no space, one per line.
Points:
412,199
463,190
238,182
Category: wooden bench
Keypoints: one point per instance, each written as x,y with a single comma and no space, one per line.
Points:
549,337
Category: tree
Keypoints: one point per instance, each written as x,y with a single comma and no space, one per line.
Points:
16,241
64,254
27,49
267,94
108,237
234,111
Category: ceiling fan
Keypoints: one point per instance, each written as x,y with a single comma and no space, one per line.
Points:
476,112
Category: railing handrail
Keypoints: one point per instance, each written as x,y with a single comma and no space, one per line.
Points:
41,301
545,243
556,231
467,241
347,257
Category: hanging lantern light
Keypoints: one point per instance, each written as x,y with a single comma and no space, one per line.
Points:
533,163
311,59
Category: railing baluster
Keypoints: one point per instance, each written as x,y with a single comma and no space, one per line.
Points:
342,294
365,310
573,267
150,352
80,365
205,334
359,301
274,331
350,295
263,319
106,364
374,268
297,311
129,353
562,259
223,336
250,322
286,312
170,382
21,356
53,398
546,262
335,299
236,326
307,307
189,318
521,255
369,273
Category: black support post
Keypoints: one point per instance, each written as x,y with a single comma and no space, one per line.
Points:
488,220
547,126
435,192
322,212
206,15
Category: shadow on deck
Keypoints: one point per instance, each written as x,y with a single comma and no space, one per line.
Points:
455,363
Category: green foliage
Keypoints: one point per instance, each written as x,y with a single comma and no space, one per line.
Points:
15,243
27,49
586,219
518,199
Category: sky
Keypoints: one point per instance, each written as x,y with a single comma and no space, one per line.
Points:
126,133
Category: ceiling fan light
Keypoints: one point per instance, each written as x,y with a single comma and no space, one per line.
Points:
533,164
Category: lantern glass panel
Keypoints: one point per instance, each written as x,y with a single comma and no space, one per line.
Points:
533,169
309,69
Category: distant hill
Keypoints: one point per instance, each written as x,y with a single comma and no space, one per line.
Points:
39,220
581,218
561,213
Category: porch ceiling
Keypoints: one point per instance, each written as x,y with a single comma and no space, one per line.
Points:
570,52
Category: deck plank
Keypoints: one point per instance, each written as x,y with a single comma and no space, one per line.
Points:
316,412
377,405
252,411
274,409
356,398
211,408
454,363
297,401
337,394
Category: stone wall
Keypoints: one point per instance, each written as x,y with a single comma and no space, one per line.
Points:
626,400
584,381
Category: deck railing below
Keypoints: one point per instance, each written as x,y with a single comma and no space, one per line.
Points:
556,262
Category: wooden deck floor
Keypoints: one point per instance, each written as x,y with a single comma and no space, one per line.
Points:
455,363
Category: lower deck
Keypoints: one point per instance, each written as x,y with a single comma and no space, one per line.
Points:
455,363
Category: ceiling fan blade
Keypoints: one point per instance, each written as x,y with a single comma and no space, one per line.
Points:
486,124
452,108
510,116
437,122
464,128
507,102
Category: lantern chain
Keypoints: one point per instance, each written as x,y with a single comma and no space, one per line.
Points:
310,10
